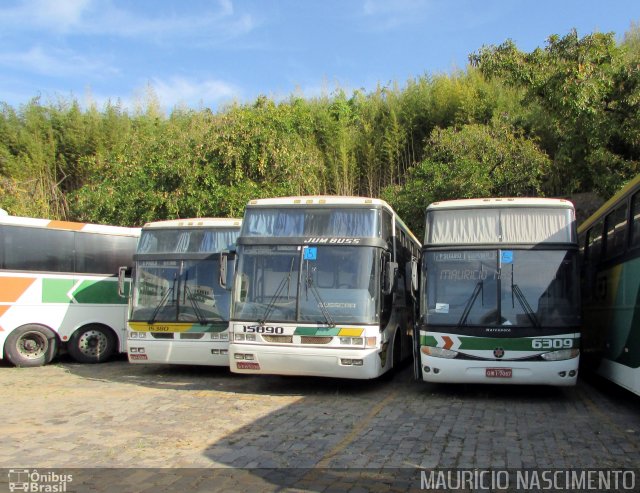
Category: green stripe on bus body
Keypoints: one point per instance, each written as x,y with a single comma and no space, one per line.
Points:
213,327
316,331
624,344
103,292
490,343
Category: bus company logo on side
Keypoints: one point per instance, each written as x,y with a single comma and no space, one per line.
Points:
261,329
334,241
449,256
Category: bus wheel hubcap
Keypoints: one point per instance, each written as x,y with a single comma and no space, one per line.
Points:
92,343
33,345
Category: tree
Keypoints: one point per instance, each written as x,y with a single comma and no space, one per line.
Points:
579,85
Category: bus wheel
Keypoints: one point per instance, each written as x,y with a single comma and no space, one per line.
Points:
92,344
31,345
397,350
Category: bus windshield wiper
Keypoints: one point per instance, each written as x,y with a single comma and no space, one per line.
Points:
515,289
194,304
321,304
286,281
467,309
161,303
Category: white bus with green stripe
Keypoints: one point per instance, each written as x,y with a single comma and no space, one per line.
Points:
610,251
59,289
324,286
179,309
499,299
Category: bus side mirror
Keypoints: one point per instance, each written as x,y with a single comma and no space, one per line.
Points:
122,275
224,261
389,280
414,275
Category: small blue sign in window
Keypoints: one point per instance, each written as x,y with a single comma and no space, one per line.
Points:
507,256
311,253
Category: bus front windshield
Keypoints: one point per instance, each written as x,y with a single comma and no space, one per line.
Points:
179,291
523,288
314,284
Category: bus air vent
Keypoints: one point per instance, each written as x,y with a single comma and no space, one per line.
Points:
280,339
162,335
315,339
191,335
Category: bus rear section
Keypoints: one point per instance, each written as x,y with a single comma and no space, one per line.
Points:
500,296
179,307
320,288
60,288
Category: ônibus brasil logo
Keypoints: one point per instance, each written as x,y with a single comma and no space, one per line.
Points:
36,482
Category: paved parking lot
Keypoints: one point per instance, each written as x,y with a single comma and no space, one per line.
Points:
286,430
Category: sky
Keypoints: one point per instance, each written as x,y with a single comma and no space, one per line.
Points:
210,53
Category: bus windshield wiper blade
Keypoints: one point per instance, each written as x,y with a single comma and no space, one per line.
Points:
472,300
161,303
194,304
285,281
321,303
525,305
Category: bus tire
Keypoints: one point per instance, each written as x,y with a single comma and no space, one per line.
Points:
397,350
31,345
92,344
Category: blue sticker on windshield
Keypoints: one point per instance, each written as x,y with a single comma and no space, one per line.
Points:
311,253
507,256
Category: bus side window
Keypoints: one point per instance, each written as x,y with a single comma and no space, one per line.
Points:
387,228
615,229
594,243
102,254
38,249
635,221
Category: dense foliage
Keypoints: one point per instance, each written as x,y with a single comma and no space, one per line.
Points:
556,121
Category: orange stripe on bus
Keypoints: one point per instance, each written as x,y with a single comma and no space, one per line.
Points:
65,225
11,288
3,309
447,342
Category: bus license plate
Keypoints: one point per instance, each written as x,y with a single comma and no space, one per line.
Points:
137,357
499,372
243,365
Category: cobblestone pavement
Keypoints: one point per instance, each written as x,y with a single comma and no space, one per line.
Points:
295,434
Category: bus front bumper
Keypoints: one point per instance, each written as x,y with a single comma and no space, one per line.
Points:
302,361
207,353
443,370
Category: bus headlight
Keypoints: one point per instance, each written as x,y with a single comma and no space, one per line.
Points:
238,337
352,341
439,352
224,337
560,355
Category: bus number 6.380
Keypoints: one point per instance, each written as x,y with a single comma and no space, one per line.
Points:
260,329
555,343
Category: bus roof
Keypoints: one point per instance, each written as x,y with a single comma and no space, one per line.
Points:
323,200
500,202
318,200
627,189
69,226
196,222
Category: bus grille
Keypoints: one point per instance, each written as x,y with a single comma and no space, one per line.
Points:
315,339
162,335
191,335
280,339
